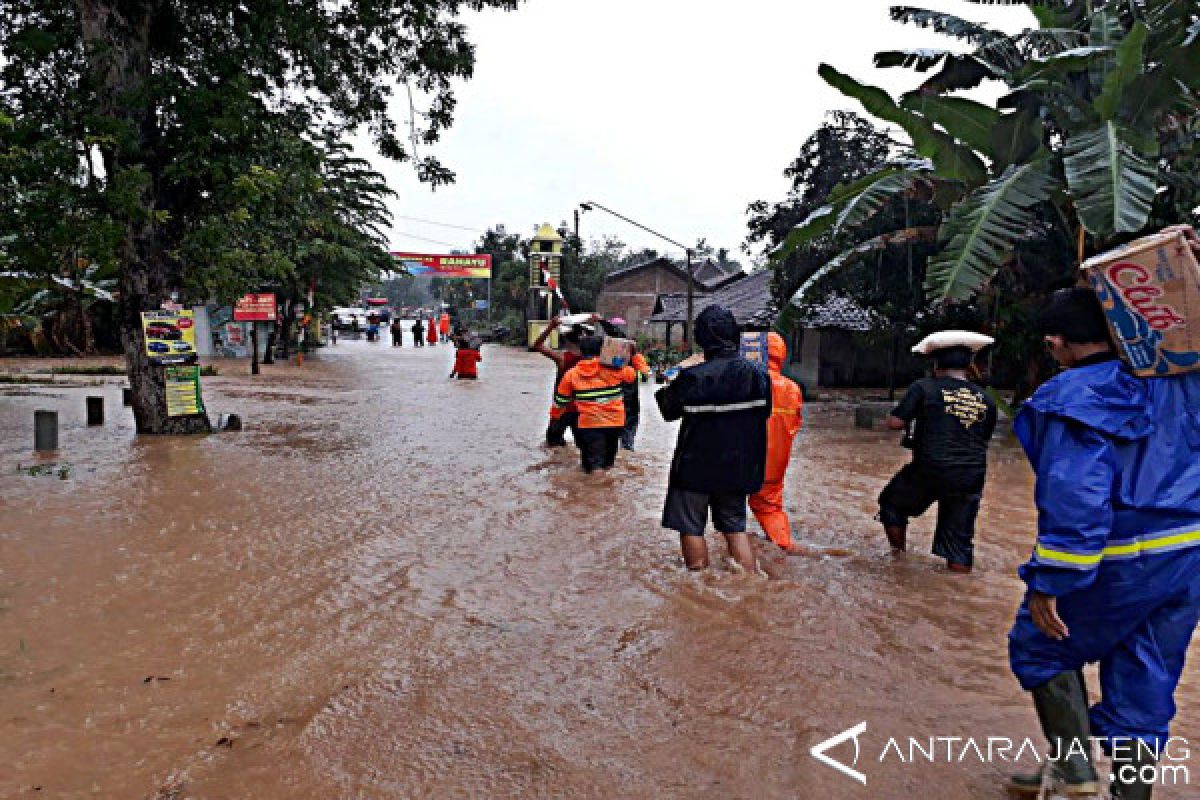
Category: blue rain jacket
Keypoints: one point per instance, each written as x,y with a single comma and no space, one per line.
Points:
1118,494
1117,459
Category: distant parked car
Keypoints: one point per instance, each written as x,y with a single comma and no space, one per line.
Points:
163,330
499,333
158,347
344,318
181,347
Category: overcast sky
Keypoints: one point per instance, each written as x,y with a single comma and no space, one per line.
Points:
677,113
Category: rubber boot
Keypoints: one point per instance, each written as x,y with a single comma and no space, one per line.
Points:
897,536
1130,786
1062,708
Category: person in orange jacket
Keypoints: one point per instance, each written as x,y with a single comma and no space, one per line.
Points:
787,404
598,392
633,401
444,326
431,334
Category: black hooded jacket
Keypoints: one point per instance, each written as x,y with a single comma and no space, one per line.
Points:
724,404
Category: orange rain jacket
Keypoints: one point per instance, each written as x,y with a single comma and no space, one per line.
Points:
431,335
444,324
596,392
787,405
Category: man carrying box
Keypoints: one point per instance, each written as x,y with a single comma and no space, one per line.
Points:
1114,577
597,391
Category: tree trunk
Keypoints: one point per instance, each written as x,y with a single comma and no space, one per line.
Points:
116,38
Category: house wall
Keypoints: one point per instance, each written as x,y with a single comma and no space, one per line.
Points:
632,297
844,361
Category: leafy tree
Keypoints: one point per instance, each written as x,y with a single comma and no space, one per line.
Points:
178,100
1094,140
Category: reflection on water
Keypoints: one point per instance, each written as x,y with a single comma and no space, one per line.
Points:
384,587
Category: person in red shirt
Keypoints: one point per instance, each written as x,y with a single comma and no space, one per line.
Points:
432,335
444,326
597,391
466,359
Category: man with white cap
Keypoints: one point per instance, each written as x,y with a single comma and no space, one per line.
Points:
950,421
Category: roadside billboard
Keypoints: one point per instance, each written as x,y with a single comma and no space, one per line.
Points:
170,336
255,308
440,266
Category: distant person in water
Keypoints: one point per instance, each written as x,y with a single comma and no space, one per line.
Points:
466,358
397,333
418,332
444,326
432,335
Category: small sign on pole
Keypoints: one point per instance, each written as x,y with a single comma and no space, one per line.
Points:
255,308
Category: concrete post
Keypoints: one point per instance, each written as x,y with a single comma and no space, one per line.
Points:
45,430
95,411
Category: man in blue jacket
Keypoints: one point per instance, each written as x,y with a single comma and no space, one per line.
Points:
721,453
1115,575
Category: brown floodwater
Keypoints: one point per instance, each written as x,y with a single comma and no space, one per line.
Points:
385,587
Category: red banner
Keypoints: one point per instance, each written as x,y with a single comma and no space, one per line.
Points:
255,308
464,266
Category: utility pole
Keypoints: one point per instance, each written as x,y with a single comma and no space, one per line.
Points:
691,300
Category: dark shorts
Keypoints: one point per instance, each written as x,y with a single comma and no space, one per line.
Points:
687,512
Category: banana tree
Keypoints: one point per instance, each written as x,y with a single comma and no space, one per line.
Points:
1095,135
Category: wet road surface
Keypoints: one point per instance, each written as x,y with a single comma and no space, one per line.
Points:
385,587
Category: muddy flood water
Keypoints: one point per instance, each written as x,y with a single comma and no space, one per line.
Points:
384,587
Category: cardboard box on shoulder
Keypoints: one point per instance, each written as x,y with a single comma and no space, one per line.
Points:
754,347
1150,290
616,352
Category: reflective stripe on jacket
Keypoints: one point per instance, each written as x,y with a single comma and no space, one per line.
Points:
1117,459
596,392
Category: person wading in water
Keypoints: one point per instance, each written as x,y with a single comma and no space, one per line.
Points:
954,421
1114,577
565,417
721,452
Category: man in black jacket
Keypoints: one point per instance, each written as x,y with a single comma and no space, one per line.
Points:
720,455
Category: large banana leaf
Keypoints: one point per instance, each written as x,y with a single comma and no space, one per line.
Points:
1113,185
922,60
867,203
982,231
1108,32
902,236
844,197
970,122
951,160
948,24
1126,68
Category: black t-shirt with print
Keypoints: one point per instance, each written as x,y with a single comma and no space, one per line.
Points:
953,422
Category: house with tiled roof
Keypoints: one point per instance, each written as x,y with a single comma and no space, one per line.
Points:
633,293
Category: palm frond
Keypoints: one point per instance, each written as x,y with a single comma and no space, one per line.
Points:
981,232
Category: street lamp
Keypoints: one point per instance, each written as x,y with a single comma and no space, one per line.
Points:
691,283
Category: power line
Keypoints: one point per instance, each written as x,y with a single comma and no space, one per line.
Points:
423,239
441,224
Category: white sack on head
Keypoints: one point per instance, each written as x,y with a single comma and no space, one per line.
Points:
943,339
